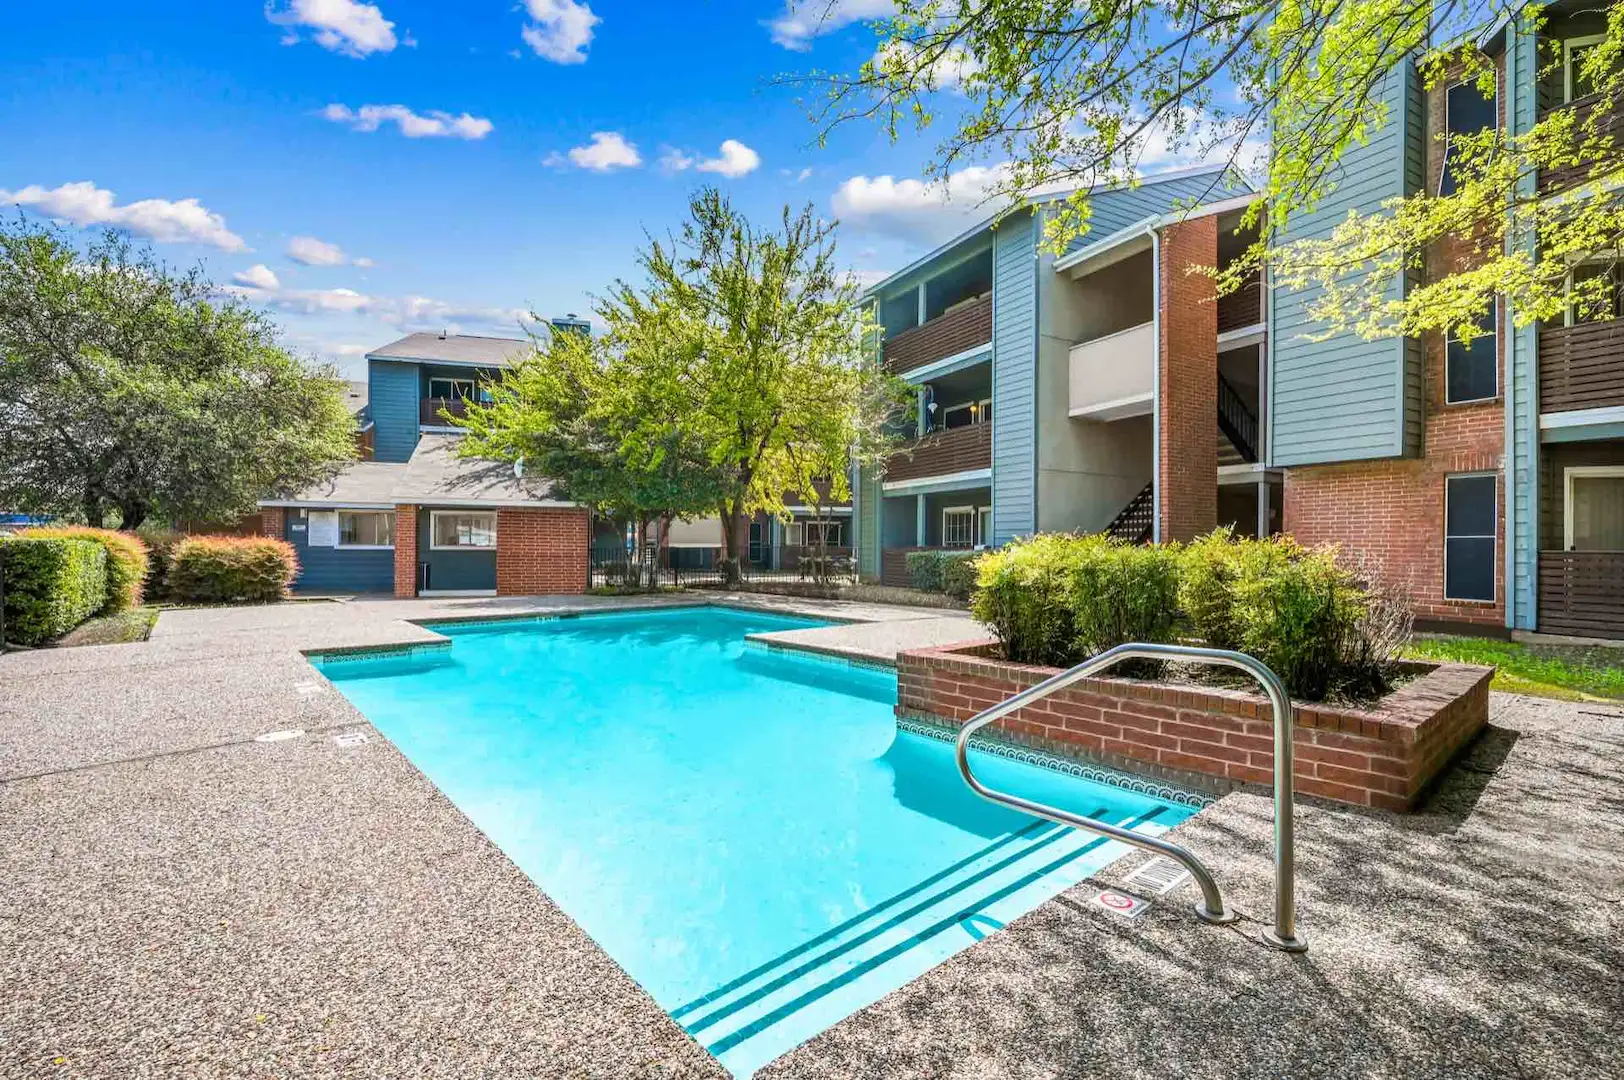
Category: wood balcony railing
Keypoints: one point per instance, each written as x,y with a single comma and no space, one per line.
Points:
1241,308
1609,125
942,453
429,409
946,335
1582,593
1581,366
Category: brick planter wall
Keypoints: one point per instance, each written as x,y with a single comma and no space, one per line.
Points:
1211,738
405,551
541,552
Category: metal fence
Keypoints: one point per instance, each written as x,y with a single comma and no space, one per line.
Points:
613,564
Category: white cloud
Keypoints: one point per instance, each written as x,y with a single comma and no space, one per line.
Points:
735,160
363,262
415,312
258,276
559,30
864,279
341,26
313,252
607,151
947,72
85,204
913,210
433,124
803,20
673,160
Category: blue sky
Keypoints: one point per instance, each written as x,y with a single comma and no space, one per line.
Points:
119,114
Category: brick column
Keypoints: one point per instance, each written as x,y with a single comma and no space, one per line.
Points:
1187,383
405,552
272,522
541,552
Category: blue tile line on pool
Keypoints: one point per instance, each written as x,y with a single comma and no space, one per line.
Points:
376,652
508,623
760,1024
1051,835
1099,774
835,931
757,643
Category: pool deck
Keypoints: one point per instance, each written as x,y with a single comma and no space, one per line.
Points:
177,898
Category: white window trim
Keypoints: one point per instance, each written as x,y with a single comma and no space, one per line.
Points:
1602,257
1567,61
435,515
1443,169
1494,583
980,405
974,519
1493,334
473,386
342,546
1568,475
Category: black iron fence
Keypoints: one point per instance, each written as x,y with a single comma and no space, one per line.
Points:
614,565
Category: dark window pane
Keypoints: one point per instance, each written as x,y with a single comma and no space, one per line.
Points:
1470,506
1469,113
1472,371
1469,569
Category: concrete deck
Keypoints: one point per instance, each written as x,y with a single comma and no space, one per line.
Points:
179,899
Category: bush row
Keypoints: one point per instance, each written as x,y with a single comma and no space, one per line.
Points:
949,572
127,560
1322,625
52,584
229,570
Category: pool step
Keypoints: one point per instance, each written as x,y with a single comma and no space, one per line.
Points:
764,1012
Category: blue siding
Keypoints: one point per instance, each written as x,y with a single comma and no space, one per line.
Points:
325,569
1522,383
868,525
1014,379
453,570
392,395
1346,399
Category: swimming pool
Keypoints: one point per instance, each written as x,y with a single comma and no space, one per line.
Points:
747,833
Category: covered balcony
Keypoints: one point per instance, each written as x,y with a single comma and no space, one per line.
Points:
943,311
1581,366
942,453
955,331
1114,376
441,412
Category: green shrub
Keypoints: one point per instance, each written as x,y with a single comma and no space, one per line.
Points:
126,561
950,572
52,584
1301,617
161,545
1125,592
1207,588
230,570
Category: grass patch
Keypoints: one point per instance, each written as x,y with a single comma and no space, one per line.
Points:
120,628
1567,672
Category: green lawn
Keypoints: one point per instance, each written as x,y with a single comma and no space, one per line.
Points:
126,626
1570,672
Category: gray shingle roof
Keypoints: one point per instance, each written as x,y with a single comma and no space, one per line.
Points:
454,348
435,476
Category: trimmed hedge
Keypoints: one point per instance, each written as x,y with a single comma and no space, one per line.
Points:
949,572
126,560
161,544
230,570
52,584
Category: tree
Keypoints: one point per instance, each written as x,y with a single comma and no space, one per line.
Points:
1075,93
129,390
567,412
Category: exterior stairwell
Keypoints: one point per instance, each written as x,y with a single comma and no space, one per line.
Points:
1237,427
1133,523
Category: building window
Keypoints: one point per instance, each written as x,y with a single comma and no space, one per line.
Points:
451,388
1593,505
366,528
1575,51
1469,112
457,529
984,526
1595,303
824,533
1470,517
1472,369
971,412
959,527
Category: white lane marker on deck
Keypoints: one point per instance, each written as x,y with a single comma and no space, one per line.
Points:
280,736
1158,877
307,688
1120,903
350,738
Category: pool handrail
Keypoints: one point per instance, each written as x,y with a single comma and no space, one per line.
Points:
1283,935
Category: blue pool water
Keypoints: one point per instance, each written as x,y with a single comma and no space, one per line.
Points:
747,833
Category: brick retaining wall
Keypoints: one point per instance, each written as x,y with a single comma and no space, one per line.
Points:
1207,737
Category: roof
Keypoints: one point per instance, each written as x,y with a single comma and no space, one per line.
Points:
1100,244
1151,192
454,349
435,476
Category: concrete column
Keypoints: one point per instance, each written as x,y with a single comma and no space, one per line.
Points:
1263,509
919,522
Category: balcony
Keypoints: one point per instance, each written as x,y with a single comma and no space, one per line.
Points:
1113,377
950,333
1609,125
429,409
1582,593
942,453
1581,366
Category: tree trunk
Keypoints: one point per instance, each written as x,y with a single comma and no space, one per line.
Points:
131,515
732,566
95,511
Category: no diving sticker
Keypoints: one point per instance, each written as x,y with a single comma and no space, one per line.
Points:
1127,905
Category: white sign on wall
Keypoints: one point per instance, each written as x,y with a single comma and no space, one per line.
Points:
323,528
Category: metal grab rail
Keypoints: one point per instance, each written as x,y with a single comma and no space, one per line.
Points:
1284,933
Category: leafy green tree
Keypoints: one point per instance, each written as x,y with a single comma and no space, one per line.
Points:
1076,93
128,391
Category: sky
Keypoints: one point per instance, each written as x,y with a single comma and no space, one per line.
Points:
368,169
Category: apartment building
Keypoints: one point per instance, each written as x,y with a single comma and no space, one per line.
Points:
1101,389
1487,479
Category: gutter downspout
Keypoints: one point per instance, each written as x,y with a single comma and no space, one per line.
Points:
1155,384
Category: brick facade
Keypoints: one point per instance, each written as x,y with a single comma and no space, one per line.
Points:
1187,382
273,522
1392,511
541,552
1209,738
405,552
